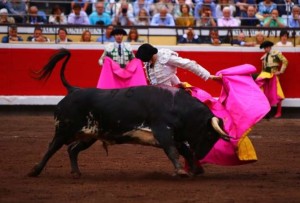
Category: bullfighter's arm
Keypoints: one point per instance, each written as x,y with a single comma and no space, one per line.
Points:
284,62
189,65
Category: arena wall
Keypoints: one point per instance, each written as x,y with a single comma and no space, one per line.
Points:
18,60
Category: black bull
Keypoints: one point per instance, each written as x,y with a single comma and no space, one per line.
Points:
120,116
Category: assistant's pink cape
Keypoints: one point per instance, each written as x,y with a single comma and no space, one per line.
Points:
113,76
241,104
270,84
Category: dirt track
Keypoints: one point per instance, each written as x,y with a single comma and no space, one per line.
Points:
143,174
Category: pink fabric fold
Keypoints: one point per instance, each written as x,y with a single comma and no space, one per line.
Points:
113,76
241,105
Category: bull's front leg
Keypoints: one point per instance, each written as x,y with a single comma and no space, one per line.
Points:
164,136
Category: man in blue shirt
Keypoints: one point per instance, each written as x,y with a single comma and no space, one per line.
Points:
163,18
99,17
294,19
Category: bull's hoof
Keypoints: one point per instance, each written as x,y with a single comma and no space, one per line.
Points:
181,173
76,175
198,171
34,172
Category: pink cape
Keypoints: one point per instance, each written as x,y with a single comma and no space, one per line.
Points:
241,104
113,76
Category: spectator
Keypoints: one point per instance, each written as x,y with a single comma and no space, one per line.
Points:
264,9
206,19
189,37
294,18
284,7
242,7
185,19
133,36
143,18
84,5
86,36
99,17
78,17
141,4
116,7
250,18
177,9
110,8
199,5
268,79
241,41
62,36
107,36
259,38
119,51
17,8
167,4
163,18
123,17
12,35
57,16
274,20
227,20
34,17
212,39
284,36
4,18
221,5
38,36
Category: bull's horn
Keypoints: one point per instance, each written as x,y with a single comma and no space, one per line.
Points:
215,124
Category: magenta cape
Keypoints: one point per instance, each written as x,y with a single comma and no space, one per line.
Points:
241,104
113,76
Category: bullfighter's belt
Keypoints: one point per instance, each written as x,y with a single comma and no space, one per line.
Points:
269,69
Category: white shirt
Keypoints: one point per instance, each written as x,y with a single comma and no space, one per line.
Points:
165,68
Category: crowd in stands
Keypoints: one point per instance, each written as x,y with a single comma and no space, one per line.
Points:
183,13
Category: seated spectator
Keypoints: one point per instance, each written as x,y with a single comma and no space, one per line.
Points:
189,37
133,36
206,19
221,5
143,18
17,8
259,38
284,36
123,16
84,4
264,9
141,4
99,17
199,5
12,35
4,18
34,17
250,18
116,7
78,16
38,36
167,4
274,20
185,19
212,39
294,18
86,36
284,7
177,9
227,20
242,7
163,18
57,17
241,41
107,36
62,36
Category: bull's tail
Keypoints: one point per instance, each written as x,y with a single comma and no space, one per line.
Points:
46,71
